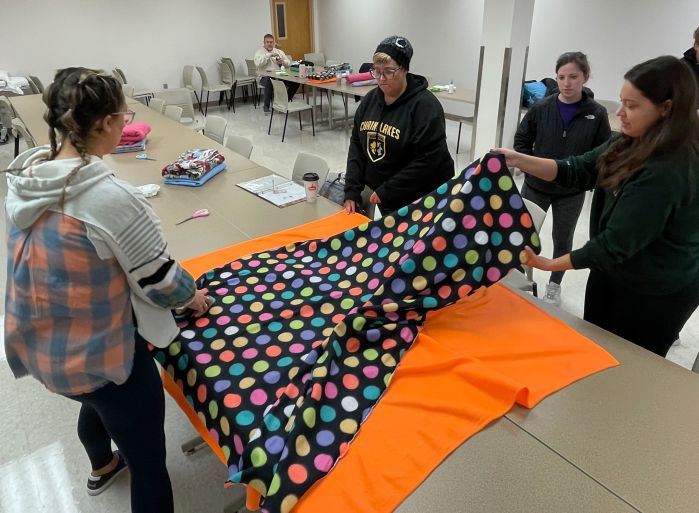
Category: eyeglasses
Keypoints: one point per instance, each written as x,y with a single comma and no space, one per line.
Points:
387,73
128,116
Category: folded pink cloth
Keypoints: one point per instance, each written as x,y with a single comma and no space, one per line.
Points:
357,77
137,131
128,140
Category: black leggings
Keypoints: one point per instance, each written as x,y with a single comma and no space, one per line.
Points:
566,211
132,415
652,322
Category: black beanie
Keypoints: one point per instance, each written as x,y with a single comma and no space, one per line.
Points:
398,48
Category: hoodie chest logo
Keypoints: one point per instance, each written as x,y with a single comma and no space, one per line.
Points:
376,146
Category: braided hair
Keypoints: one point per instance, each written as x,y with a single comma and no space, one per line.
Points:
77,101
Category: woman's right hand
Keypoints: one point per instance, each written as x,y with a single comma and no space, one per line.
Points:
350,206
201,302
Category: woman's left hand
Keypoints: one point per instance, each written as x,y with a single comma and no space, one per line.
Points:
547,264
374,198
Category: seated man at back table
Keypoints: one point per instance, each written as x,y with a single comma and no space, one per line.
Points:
270,58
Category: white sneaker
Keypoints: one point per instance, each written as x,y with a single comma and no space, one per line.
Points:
553,294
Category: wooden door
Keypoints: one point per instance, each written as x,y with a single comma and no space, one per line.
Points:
292,26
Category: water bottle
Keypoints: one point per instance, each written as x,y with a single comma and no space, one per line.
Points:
451,87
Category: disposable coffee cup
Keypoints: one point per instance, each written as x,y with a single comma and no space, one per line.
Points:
310,183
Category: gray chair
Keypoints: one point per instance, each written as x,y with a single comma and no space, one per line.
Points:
281,103
20,130
157,104
181,97
243,81
240,145
256,86
306,163
173,112
128,90
227,71
208,88
188,81
33,86
38,83
525,281
215,128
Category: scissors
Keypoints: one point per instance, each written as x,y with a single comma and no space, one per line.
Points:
143,156
199,213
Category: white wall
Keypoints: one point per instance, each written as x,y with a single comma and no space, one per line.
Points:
615,35
445,34
150,40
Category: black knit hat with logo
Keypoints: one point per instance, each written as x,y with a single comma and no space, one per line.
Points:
398,48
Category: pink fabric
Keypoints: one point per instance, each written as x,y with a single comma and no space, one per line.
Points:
134,132
357,77
129,140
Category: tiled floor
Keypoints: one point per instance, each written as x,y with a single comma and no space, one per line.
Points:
42,465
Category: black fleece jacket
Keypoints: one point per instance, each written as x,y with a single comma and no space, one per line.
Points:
398,150
690,57
541,133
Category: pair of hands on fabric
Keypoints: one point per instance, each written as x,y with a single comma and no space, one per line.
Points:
351,205
201,302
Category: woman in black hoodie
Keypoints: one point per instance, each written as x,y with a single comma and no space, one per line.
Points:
398,146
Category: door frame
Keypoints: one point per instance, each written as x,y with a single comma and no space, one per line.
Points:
272,17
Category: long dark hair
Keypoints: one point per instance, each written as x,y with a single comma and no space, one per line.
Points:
660,79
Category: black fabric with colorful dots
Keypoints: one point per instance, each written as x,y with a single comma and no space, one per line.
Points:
302,341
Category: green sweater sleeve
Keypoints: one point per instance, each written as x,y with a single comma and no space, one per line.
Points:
638,214
580,172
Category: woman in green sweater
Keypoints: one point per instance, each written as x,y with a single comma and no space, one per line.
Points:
643,252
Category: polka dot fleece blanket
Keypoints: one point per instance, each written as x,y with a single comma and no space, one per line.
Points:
302,340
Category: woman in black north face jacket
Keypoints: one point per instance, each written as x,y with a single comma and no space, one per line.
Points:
561,125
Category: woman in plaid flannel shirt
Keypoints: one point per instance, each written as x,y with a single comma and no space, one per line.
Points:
89,281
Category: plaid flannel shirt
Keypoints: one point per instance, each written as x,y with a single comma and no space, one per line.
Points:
68,319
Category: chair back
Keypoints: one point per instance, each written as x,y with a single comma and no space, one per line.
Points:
538,214
227,72
203,77
281,96
37,82
231,66
240,145
188,76
20,130
173,112
118,76
181,97
252,69
157,104
215,128
128,90
318,59
122,75
32,86
305,163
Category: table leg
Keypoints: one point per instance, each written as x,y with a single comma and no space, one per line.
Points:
346,99
313,108
330,108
